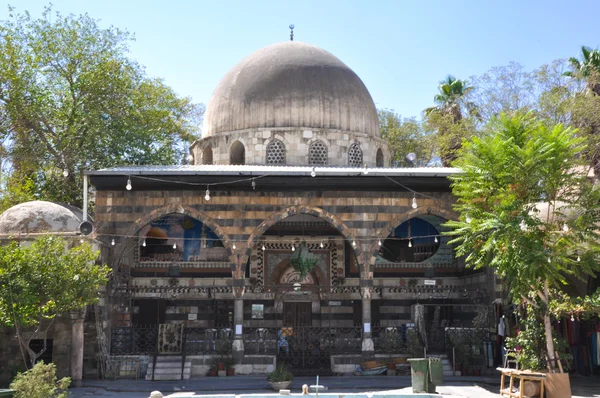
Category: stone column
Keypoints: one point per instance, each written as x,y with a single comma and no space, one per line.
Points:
238,321
368,349
77,347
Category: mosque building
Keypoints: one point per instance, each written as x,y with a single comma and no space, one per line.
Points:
288,236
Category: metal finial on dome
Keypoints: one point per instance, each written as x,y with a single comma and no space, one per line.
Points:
292,32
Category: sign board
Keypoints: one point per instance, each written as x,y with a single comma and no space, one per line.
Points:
192,317
367,328
335,303
430,282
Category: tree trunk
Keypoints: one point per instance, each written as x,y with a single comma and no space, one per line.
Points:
548,326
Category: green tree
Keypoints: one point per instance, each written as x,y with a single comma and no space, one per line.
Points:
404,136
588,68
527,209
71,99
45,279
40,382
451,104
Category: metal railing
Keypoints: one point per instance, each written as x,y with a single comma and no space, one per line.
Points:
135,340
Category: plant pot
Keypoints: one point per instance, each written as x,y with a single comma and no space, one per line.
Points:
391,366
279,385
457,367
231,372
212,372
221,366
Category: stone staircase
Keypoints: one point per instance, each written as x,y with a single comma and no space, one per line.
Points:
169,368
446,364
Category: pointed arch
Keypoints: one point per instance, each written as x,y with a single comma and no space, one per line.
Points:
379,159
237,153
443,211
275,152
185,210
355,155
333,220
207,155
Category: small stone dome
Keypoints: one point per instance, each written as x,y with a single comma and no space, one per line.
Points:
291,84
38,217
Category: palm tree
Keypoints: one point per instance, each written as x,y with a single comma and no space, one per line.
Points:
588,69
451,102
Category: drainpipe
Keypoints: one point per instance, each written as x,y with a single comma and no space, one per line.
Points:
85,197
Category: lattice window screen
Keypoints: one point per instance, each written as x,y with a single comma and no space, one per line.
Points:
355,156
276,152
317,153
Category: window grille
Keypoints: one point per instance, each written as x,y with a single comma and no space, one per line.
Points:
355,156
276,152
317,153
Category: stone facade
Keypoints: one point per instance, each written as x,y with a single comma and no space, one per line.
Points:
297,143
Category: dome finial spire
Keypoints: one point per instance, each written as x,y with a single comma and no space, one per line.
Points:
292,32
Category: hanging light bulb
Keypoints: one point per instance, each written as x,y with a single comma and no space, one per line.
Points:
263,247
523,226
549,260
174,245
128,186
435,239
81,241
313,173
322,245
207,196
409,243
578,258
144,243
468,219
366,170
253,184
379,242
572,318
112,242
65,173
233,247
293,248
353,243
565,227
414,201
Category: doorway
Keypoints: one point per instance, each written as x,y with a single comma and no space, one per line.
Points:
297,315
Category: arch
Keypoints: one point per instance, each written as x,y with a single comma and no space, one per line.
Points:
285,264
355,155
179,209
275,152
379,159
207,155
443,211
318,153
237,153
254,237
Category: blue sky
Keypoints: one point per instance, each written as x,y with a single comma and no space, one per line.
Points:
400,49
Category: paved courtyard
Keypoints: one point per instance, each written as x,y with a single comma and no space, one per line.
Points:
468,387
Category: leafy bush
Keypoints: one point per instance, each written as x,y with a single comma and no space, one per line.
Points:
40,382
280,374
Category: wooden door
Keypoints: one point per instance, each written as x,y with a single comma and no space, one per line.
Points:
297,315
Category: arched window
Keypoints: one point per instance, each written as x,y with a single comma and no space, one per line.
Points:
414,240
237,153
379,158
276,152
317,153
355,155
207,155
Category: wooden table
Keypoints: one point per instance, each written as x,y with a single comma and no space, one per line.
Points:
521,376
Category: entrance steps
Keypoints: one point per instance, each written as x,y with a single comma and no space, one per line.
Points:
169,368
446,364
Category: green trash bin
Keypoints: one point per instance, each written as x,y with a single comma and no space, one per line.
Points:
419,375
6,393
436,372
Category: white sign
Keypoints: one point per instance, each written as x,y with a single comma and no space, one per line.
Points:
238,329
367,328
192,317
335,303
430,282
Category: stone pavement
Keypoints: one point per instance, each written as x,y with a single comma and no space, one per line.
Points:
467,387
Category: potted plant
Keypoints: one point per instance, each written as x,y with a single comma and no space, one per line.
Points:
212,371
229,366
280,378
223,348
303,260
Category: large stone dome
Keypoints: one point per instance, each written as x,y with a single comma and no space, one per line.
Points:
291,84
38,217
